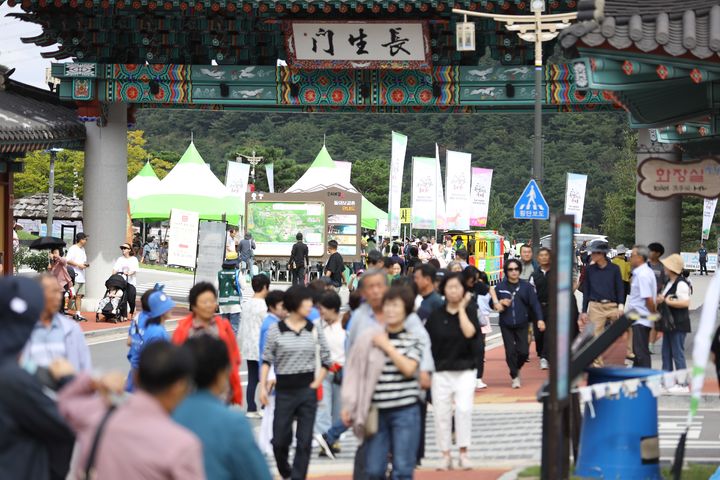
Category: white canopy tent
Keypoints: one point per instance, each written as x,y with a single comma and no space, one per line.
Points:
144,183
325,173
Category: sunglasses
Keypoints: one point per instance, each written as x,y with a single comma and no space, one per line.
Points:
513,269
124,248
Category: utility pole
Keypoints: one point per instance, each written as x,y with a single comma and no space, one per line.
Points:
537,28
51,190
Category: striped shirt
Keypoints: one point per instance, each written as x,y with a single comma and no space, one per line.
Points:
45,344
293,354
394,389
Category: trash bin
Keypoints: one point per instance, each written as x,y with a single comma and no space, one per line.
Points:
621,441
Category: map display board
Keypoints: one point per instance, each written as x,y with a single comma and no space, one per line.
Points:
274,219
274,226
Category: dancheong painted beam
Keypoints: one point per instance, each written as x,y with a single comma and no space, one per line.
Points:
450,89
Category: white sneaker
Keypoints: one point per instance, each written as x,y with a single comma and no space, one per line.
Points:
479,385
257,414
516,382
445,463
324,445
544,365
679,389
465,463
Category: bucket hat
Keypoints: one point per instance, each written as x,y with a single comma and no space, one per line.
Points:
674,263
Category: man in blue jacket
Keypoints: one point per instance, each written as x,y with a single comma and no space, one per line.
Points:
518,305
229,448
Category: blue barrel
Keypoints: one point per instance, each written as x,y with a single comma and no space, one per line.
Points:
621,441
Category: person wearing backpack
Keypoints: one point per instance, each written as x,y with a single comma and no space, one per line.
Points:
151,252
147,328
673,303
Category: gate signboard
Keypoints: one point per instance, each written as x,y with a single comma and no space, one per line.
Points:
363,45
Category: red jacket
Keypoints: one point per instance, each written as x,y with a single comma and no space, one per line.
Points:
226,335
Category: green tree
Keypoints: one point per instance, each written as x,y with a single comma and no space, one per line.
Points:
69,167
619,212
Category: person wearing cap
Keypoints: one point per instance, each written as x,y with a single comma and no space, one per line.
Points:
676,297
35,441
149,327
702,258
77,259
643,293
55,335
624,265
603,291
127,265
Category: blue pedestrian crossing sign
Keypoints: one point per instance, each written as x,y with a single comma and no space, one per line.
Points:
532,205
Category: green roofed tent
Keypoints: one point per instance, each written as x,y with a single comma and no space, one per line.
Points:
371,214
325,173
191,186
144,183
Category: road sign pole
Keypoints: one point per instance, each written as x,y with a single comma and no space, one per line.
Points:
537,169
555,393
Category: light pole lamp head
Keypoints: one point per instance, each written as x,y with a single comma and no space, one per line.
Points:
465,36
537,6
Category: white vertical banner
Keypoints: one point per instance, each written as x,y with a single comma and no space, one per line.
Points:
236,178
269,171
480,196
457,184
397,163
424,193
440,219
575,187
708,215
182,245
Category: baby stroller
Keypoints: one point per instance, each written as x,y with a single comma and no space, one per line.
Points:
113,306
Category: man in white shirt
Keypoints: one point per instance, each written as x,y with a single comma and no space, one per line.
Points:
643,292
77,259
127,265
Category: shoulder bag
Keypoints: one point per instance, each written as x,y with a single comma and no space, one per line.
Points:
90,473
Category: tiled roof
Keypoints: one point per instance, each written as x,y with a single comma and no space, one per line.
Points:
35,119
35,207
654,26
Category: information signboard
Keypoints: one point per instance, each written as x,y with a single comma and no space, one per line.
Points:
211,250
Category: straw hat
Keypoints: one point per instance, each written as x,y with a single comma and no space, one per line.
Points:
674,263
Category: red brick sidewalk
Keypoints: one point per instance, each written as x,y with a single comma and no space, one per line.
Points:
92,325
498,379
480,474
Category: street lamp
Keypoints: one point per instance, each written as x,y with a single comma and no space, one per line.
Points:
253,161
537,28
51,189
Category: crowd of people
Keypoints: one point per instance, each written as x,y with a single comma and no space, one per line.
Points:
412,341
